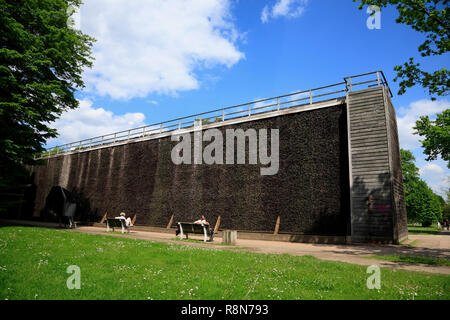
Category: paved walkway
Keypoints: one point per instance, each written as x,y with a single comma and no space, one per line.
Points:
435,246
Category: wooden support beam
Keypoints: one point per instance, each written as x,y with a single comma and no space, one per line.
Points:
104,217
277,226
216,227
170,223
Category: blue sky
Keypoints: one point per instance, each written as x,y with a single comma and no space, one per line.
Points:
158,60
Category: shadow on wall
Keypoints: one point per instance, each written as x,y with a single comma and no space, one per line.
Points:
372,206
85,213
328,223
60,201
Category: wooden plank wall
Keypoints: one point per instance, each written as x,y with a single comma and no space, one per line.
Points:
398,194
370,179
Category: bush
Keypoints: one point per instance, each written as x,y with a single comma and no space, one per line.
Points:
426,223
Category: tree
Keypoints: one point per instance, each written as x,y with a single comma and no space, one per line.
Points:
430,17
446,211
409,169
437,136
422,205
41,62
446,207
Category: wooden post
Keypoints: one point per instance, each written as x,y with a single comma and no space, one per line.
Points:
277,226
104,217
170,222
229,237
216,228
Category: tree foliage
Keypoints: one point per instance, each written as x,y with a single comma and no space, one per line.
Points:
436,134
446,211
409,169
430,17
41,62
422,205
446,206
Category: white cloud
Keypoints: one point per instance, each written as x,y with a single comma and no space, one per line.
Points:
265,14
431,169
153,46
87,122
283,8
437,176
407,117
298,96
435,173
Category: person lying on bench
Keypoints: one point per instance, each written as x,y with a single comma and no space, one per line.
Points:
128,222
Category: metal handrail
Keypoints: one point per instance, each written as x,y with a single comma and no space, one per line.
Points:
222,114
349,84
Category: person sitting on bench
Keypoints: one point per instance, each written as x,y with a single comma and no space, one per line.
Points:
200,221
128,222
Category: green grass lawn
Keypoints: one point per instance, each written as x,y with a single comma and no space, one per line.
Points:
423,230
33,264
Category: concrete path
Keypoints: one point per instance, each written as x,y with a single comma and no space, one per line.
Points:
434,246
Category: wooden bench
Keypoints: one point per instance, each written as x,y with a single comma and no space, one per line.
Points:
112,223
68,222
187,227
